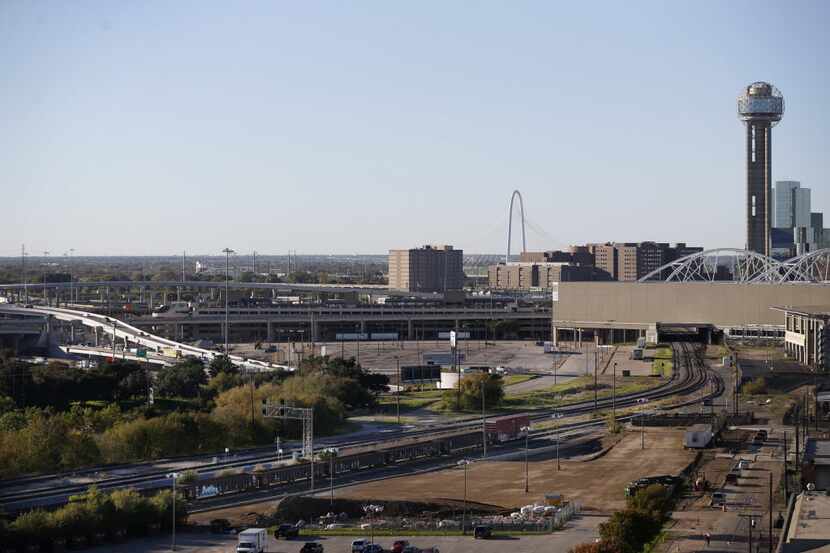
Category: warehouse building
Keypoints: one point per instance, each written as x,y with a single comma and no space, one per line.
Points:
623,311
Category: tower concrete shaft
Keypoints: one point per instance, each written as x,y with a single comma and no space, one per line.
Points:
758,186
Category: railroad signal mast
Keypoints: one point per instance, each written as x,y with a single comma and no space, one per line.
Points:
306,415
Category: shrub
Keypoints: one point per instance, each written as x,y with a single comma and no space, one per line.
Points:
756,386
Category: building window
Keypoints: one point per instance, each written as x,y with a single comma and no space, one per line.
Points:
753,204
753,143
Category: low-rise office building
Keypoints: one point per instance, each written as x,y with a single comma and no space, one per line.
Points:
807,336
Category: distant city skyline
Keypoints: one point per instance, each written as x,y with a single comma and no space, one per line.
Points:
152,128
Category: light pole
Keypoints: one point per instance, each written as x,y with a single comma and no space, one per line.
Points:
483,420
43,279
398,391
526,430
174,476
642,401
371,511
331,453
227,252
614,394
463,463
557,416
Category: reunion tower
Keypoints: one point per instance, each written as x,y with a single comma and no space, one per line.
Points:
761,107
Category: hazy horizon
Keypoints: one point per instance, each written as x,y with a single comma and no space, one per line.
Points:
143,128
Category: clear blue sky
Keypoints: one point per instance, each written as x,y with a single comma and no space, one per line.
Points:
153,127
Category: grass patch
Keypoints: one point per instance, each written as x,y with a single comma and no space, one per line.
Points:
572,391
511,379
662,367
395,532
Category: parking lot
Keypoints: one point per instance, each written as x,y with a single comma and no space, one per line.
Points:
580,530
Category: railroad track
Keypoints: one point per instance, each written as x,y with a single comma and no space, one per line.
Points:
690,375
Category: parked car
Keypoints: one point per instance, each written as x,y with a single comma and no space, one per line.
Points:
286,531
399,546
373,548
732,478
482,532
359,545
311,547
743,464
219,525
718,498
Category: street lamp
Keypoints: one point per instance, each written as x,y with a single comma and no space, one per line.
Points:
43,279
557,416
614,394
463,463
227,252
331,453
483,421
174,476
642,401
398,391
526,430
371,511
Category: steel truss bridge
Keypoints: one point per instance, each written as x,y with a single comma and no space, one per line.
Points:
742,266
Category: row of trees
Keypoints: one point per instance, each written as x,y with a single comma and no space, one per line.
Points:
43,439
93,517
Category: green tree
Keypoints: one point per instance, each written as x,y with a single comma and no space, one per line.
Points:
222,364
184,379
654,500
629,530
471,387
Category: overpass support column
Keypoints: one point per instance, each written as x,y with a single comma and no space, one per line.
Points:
554,336
410,330
97,336
362,327
457,324
315,330
269,331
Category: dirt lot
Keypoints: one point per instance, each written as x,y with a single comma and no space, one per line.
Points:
597,484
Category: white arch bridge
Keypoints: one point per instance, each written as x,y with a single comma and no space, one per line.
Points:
742,266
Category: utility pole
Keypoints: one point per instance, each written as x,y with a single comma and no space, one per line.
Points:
457,367
770,511
69,269
23,273
614,395
595,380
785,475
483,421
398,391
45,293
227,252
526,430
